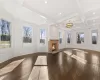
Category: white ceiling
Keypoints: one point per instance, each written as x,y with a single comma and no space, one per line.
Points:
53,9
58,11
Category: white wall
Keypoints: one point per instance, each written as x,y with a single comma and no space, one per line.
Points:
42,47
54,35
63,34
87,36
21,48
18,20
6,53
53,32
17,47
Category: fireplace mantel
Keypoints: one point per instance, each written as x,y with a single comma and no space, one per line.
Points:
53,45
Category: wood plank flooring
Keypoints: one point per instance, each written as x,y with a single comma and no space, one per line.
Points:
68,64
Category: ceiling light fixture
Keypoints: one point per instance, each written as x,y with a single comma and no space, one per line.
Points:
46,2
93,12
60,13
43,17
69,25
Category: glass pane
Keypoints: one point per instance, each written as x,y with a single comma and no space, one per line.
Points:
4,34
42,36
27,36
68,38
80,38
94,36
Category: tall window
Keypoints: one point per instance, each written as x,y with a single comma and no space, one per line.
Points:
60,37
80,37
4,34
68,37
42,36
27,37
94,36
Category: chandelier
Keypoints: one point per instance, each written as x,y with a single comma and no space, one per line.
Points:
69,25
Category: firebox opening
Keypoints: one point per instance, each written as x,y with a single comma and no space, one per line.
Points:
54,47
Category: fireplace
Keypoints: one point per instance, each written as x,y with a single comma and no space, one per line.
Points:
53,45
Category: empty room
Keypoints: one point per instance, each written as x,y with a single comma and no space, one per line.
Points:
49,39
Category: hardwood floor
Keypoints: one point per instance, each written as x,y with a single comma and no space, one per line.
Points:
69,64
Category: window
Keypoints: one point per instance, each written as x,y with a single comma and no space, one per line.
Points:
4,34
94,36
80,38
27,37
42,36
68,37
60,37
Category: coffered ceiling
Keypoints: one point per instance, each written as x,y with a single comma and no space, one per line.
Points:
52,9
57,11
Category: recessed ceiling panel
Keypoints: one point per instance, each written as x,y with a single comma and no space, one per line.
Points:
55,9
89,5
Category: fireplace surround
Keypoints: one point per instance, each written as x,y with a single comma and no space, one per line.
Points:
53,45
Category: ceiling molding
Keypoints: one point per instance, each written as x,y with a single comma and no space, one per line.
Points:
68,17
39,13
